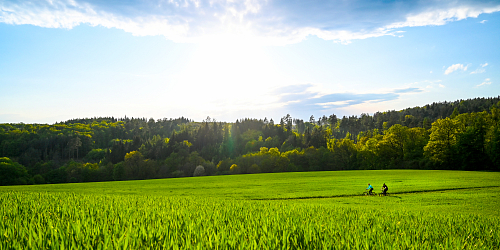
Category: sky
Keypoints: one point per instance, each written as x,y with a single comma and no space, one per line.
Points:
233,59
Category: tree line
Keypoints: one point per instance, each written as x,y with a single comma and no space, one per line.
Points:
451,135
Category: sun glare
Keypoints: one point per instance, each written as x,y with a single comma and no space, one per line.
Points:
230,72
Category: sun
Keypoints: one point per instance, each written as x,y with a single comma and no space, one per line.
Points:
231,73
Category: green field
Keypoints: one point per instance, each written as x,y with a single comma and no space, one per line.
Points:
310,210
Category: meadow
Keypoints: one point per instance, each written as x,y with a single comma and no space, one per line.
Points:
309,210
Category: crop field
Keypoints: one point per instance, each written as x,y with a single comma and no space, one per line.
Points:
311,210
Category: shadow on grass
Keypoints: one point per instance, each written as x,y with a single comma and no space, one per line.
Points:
388,194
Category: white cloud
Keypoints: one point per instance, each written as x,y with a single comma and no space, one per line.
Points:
487,81
483,21
267,22
455,67
478,71
433,83
339,103
442,16
429,84
70,14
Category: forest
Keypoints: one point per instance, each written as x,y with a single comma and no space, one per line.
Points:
459,135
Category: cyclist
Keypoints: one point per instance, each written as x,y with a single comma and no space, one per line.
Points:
384,189
370,189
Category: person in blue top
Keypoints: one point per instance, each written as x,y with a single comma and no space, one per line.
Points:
370,189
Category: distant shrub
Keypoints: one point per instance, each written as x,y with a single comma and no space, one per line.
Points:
163,171
95,155
224,165
118,171
21,181
177,173
39,179
210,168
234,169
12,173
254,169
199,171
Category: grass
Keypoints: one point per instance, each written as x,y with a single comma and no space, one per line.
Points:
285,185
315,210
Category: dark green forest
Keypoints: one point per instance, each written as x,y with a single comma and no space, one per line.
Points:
461,135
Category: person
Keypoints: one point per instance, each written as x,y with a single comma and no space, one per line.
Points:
370,189
384,189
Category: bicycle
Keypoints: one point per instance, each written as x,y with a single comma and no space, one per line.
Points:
367,193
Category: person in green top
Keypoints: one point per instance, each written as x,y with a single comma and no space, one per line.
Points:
370,189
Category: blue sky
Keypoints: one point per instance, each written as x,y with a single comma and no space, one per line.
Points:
234,59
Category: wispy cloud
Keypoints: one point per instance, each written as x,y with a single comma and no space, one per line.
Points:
303,100
269,22
407,90
441,16
487,81
429,84
292,89
478,71
455,67
484,21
